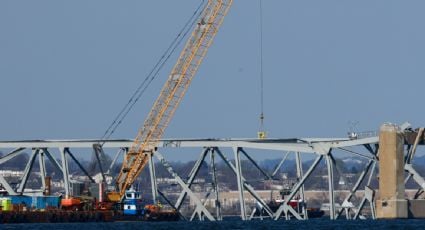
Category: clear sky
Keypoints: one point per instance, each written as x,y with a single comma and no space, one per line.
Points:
67,67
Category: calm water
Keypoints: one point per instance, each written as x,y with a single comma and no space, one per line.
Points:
225,225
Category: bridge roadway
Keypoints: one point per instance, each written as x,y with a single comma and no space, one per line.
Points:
306,145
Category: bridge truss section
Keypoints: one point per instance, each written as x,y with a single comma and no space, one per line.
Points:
355,202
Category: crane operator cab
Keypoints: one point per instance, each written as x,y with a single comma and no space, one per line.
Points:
133,203
202,24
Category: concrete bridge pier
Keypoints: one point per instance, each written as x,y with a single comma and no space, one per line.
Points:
391,201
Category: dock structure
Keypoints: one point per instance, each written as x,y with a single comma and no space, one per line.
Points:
231,151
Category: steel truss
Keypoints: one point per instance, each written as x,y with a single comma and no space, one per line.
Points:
323,149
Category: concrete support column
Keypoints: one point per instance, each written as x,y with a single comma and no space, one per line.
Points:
391,202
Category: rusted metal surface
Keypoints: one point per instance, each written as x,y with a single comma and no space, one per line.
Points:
411,135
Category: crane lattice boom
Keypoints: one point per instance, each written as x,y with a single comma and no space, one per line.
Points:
173,91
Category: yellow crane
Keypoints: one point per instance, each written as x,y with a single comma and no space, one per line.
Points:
171,94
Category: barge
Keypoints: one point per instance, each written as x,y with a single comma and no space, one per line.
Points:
60,216
23,209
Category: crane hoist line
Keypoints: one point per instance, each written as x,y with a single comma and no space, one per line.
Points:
172,93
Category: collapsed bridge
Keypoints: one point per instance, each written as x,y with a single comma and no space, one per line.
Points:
230,151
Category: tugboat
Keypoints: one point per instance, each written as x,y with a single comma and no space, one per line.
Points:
133,204
135,209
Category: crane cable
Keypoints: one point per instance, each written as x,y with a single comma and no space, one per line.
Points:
261,133
152,74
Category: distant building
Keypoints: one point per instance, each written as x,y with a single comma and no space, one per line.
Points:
11,173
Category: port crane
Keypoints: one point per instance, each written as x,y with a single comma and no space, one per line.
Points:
171,94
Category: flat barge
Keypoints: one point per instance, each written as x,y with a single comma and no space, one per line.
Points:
60,216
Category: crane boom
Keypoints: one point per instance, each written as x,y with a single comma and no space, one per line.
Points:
172,92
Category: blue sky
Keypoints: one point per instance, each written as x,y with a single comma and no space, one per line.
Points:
67,67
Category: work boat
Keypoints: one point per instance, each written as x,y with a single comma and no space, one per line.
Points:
134,208
133,203
298,204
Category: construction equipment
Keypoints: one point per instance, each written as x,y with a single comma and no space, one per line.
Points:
171,94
